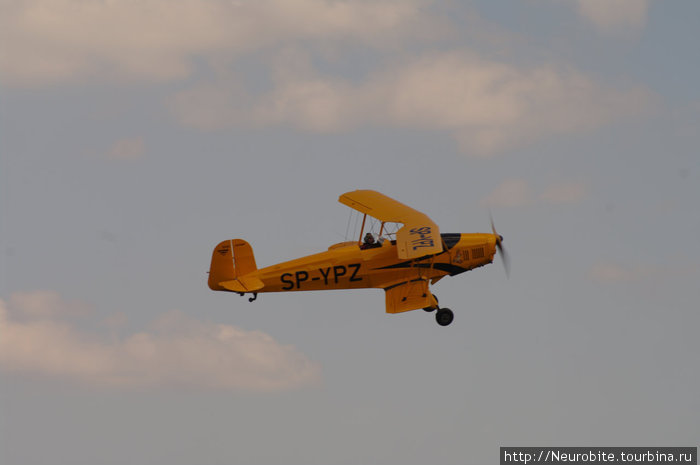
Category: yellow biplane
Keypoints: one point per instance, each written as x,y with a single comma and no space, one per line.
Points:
403,263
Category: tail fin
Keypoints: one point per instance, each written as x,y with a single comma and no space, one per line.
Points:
231,259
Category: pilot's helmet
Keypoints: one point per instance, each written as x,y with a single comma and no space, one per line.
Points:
369,238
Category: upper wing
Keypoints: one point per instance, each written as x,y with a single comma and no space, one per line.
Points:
418,237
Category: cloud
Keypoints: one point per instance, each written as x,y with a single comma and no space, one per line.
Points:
55,41
615,16
47,304
516,192
564,193
127,149
615,273
487,106
177,351
510,193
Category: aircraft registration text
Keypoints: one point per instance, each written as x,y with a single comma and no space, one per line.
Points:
422,237
331,274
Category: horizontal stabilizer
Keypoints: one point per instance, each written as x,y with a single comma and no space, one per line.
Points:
243,284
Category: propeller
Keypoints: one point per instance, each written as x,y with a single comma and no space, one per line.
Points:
501,249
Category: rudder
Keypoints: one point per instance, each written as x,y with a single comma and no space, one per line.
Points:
230,260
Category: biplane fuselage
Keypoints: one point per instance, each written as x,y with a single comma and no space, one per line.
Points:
346,266
404,267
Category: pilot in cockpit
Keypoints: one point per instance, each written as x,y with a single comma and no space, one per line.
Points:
369,242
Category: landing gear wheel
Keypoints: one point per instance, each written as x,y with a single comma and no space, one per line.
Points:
429,309
444,316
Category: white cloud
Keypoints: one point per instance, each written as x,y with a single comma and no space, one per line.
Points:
517,192
615,16
53,41
564,193
614,273
177,351
510,193
487,106
127,149
47,304
610,272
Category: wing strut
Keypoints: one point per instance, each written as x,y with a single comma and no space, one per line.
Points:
362,229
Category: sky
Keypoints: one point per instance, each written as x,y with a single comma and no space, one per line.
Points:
136,135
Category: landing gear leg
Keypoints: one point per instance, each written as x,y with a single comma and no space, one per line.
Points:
432,309
444,316
252,299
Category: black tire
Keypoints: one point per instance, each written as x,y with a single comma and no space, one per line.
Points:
444,316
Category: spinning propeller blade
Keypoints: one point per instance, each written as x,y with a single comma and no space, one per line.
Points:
501,249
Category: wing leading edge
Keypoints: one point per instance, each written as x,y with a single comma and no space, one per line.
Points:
419,235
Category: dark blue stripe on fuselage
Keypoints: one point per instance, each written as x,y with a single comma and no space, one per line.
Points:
450,240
